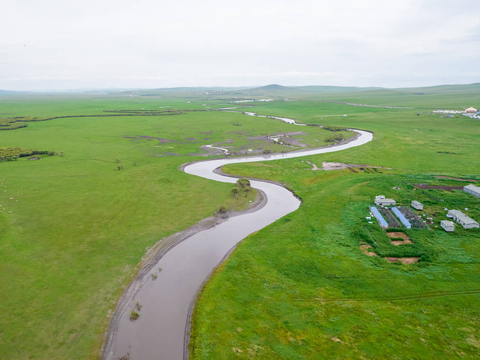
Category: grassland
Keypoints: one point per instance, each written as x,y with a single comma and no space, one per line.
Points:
73,227
302,288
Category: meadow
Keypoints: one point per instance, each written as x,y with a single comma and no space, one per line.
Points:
75,225
303,289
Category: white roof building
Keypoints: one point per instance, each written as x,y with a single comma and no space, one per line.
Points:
417,205
381,201
471,110
462,219
472,189
447,225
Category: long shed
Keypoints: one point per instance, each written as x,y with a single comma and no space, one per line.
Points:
383,223
472,189
402,218
462,219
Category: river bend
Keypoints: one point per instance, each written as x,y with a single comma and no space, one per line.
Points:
161,330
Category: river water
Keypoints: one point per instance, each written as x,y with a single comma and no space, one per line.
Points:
159,333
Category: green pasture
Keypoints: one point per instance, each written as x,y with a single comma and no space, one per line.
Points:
73,226
302,289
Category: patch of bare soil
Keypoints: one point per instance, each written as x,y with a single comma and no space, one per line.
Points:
149,138
210,151
406,239
327,166
168,154
398,242
454,178
364,249
297,142
404,260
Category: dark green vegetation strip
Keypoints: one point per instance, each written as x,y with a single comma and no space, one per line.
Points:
20,121
14,153
303,289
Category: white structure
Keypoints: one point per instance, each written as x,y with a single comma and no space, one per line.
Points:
417,205
471,110
381,201
447,225
447,112
472,189
462,219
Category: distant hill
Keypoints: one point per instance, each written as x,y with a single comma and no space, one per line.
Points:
177,91
8,92
275,89
442,89
271,88
202,88
334,89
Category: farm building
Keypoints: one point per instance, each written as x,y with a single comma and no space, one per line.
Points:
402,218
448,226
379,217
381,201
471,110
472,189
462,219
417,205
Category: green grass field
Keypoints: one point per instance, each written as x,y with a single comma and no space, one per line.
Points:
302,288
73,227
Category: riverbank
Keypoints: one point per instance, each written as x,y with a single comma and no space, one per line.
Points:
155,254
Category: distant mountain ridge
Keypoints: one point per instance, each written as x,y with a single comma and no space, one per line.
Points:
7,92
276,89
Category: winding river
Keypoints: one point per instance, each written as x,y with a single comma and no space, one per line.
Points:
162,330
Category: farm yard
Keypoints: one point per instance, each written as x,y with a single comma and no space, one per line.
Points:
87,213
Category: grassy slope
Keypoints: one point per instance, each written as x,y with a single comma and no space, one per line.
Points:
80,227
301,288
430,98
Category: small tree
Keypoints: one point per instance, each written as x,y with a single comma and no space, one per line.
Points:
243,183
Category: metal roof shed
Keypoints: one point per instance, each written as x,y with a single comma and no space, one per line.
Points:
417,205
402,218
472,189
462,219
379,217
448,226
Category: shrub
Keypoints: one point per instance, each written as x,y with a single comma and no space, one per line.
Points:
222,209
243,183
134,315
334,138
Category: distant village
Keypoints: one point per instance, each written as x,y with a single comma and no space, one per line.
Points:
249,100
471,112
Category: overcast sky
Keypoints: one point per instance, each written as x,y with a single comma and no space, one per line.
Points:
68,44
